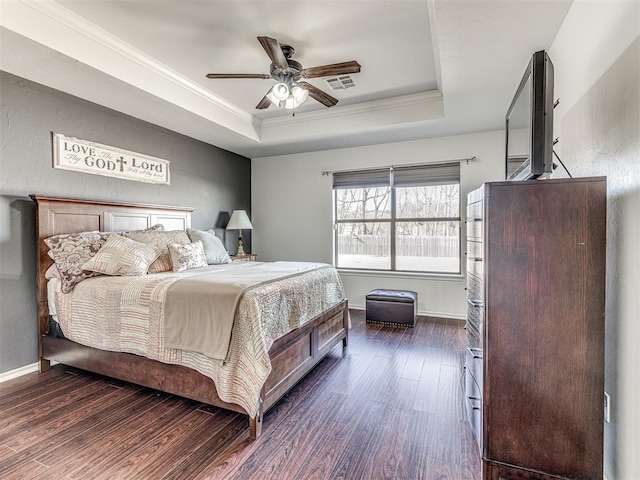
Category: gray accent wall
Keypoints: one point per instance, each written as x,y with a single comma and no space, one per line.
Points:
203,176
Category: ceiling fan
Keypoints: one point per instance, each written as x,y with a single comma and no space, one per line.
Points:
290,91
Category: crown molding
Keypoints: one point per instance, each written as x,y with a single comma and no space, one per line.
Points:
433,27
433,96
71,20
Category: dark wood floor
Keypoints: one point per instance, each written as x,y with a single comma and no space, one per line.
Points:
389,407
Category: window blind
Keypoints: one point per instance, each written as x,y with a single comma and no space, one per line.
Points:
443,174
407,176
361,178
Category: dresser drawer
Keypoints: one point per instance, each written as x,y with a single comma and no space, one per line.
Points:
473,362
473,406
475,266
475,287
475,210
475,229
475,248
475,325
473,336
475,313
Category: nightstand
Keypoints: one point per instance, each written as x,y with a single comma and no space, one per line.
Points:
249,257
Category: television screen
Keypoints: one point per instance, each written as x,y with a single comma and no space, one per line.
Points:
529,123
519,125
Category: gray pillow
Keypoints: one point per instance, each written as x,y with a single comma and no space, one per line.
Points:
213,248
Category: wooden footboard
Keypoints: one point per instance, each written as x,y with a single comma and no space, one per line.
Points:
295,354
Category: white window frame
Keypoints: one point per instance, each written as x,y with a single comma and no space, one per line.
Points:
393,220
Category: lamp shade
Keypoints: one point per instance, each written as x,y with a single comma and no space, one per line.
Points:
239,221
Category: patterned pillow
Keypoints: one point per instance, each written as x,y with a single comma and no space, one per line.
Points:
123,256
213,248
71,251
161,240
155,228
187,255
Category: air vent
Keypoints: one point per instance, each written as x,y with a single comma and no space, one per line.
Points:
340,83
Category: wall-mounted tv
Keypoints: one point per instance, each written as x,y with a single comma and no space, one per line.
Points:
529,123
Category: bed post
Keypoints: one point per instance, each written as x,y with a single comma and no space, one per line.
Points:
43,364
255,423
43,230
346,323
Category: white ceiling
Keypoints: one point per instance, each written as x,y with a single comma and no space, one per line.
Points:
429,67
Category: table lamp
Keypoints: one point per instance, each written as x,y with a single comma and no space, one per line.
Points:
239,221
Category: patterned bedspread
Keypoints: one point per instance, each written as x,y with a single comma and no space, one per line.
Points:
125,314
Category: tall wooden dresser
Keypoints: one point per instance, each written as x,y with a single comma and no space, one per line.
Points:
535,327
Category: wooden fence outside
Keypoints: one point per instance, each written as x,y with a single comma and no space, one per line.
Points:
406,245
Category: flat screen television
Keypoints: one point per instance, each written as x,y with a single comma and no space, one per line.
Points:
529,123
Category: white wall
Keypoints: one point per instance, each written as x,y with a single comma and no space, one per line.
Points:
596,55
292,208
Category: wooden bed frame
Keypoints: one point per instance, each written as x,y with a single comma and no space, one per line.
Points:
292,356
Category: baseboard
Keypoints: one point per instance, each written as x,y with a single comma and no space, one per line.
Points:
451,316
18,372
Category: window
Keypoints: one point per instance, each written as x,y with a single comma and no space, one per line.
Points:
398,219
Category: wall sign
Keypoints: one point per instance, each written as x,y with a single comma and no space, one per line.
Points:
88,157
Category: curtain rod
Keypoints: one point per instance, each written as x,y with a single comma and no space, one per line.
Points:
383,167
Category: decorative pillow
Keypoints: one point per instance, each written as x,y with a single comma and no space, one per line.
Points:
213,248
71,251
161,240
155,228
187,255
123,256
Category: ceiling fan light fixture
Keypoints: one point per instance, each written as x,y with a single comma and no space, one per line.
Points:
273,98
280,91
299,94
297,97
291,103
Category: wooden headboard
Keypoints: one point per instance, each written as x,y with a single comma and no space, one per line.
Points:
67,215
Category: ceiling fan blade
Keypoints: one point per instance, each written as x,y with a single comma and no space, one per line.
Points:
317,94
264,103
273,49
238,75
333,69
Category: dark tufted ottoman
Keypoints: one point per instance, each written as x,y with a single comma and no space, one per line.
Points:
395,307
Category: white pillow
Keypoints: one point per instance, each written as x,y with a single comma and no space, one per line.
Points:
214,250
123,256
185,256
